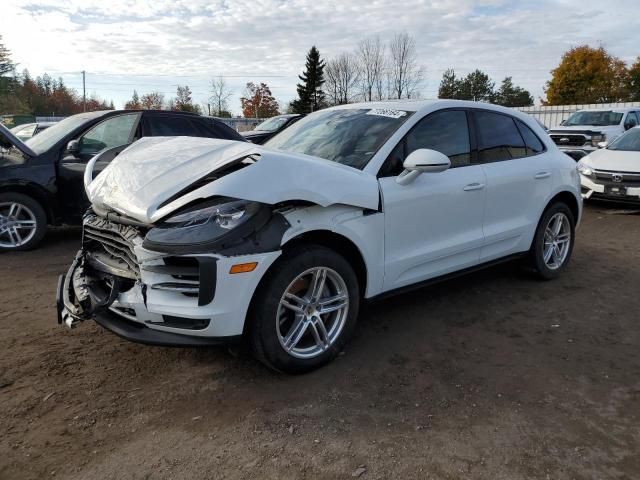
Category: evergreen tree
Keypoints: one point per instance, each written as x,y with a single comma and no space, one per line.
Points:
134,103
510,95
449,85
310,93
6,65
476,86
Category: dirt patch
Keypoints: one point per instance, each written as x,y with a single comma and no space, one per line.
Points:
494,375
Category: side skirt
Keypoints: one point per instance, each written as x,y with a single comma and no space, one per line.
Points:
448,276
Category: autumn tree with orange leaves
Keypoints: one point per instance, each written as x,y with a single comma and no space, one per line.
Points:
258,102
588,75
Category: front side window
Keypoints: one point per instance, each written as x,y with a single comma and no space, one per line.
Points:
628,142
595,118
348,136
112,132
44,141
446,132
631,121
498,137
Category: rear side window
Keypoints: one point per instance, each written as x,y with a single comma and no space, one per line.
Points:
170,126
531,140
498,138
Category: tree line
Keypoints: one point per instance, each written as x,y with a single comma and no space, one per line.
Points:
372,70
43,95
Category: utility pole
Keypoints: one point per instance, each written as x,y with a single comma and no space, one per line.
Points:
84,94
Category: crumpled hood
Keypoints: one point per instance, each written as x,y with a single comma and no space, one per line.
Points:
615,160
139,182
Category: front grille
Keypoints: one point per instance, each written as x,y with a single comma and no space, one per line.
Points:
110,248
112,244
570,140
609,177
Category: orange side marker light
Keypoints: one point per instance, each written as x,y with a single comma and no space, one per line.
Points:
243,267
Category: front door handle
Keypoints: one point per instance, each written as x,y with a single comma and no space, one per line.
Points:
473,186
540,175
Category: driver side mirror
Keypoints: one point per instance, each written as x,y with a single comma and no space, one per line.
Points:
420,161
73,147
562,122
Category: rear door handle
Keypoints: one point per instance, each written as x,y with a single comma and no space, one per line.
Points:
540,175
473,186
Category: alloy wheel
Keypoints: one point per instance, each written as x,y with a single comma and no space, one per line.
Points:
17,224
312,312
557,241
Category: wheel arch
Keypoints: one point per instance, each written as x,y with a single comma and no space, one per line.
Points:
567,198
35,192
338,243
564,196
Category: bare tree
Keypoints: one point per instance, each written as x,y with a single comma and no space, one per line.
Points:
342,74
405,73
220,94
372,63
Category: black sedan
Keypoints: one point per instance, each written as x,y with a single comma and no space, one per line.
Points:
271,127
41,179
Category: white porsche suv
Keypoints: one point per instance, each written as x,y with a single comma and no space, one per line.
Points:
193,242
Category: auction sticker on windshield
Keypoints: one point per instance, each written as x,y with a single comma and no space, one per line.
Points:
385,112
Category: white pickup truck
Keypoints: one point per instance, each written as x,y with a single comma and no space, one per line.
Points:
587,130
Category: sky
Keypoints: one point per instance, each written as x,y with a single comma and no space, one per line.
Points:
156,45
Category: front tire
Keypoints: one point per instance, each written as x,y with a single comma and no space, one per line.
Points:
553,241
23,222
305,310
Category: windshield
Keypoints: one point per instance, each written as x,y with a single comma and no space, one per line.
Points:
272,124
628,142
598,118
347,136
52,135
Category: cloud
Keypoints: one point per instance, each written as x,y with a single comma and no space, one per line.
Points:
157,44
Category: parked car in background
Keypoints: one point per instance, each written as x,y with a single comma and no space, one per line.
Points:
28,130
199,241
270,128
41,178
586,130
613,173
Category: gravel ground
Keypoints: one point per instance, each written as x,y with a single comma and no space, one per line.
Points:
495,375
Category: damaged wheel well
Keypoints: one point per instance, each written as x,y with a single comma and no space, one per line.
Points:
339,244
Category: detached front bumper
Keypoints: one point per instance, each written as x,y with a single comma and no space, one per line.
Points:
159,299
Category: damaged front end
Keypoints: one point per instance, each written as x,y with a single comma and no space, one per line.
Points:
104,267
170,284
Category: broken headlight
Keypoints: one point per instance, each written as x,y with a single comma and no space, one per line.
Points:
208,225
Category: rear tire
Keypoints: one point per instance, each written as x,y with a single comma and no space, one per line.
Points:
23,222
294,327
553,241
